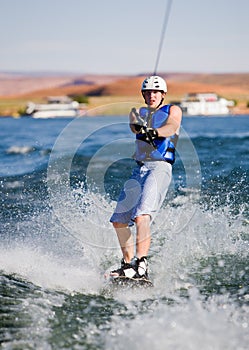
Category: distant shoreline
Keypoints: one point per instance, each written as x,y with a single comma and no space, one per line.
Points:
16,90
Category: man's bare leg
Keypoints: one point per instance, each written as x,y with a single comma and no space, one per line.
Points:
125,240
143,238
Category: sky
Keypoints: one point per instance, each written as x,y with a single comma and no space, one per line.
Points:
122,37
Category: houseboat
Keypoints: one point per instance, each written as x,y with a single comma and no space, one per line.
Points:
56,107
205,104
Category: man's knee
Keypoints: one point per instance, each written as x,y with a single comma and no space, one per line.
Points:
119,225
145,218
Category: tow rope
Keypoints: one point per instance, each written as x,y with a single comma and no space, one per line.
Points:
165,23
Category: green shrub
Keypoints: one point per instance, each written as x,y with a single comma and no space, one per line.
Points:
21,111
81,98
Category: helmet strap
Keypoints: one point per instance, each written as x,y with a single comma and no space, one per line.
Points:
160,103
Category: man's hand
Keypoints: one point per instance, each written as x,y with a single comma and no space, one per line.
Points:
138,128
153,134
148,135
136,124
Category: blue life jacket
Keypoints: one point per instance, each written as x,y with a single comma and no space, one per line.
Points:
162,148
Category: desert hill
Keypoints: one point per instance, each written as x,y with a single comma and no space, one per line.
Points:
38,85
24,87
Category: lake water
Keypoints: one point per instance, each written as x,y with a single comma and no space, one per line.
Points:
59,181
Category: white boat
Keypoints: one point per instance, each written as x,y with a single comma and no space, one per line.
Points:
205,104
56,106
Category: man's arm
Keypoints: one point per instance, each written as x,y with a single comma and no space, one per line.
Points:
173,123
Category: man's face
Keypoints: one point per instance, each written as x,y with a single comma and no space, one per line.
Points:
153,97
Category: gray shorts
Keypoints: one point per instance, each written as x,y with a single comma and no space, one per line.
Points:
144,192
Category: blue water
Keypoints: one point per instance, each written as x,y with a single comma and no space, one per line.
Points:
59,181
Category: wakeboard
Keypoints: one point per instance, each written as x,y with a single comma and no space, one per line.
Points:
123,281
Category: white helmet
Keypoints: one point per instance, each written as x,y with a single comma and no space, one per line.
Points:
154,82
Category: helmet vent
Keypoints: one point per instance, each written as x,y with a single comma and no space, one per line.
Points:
154,83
